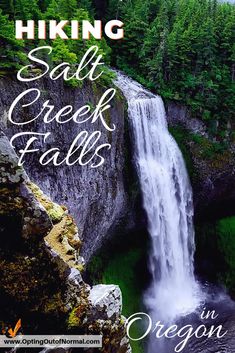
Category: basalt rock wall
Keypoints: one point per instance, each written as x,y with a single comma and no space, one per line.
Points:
96,197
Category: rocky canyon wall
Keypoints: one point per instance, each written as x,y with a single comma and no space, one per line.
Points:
96,197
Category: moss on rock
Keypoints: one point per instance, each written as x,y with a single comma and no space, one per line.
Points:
225,229
183,139
55,211
217,265
73,319
40,267
64,240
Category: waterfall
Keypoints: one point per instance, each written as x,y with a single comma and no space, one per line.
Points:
167,198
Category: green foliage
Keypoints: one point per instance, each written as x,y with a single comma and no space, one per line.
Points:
11,54
13,51
209,149
215,156
61,52
226,237
95,268
107,77
73,319
21,9
183,137
26,10
217,264
123,261
183,49
122,271
7,7
69,10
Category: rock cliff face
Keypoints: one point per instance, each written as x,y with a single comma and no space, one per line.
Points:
212,169
178,115
96,197
40,266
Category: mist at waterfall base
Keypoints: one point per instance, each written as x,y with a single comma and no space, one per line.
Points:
174,295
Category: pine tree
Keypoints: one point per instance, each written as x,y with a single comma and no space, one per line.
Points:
43,4
61,52
67,8
7,7
11,50
26,10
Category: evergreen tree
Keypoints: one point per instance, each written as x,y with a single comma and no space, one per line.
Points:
184,49
7,7
26,10
11,50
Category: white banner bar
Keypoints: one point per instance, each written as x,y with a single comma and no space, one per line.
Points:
50,341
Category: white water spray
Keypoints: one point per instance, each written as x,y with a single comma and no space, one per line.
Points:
168,202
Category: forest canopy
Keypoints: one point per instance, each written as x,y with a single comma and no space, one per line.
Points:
12,51
181,49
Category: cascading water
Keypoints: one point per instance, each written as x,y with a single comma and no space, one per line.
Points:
168,202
